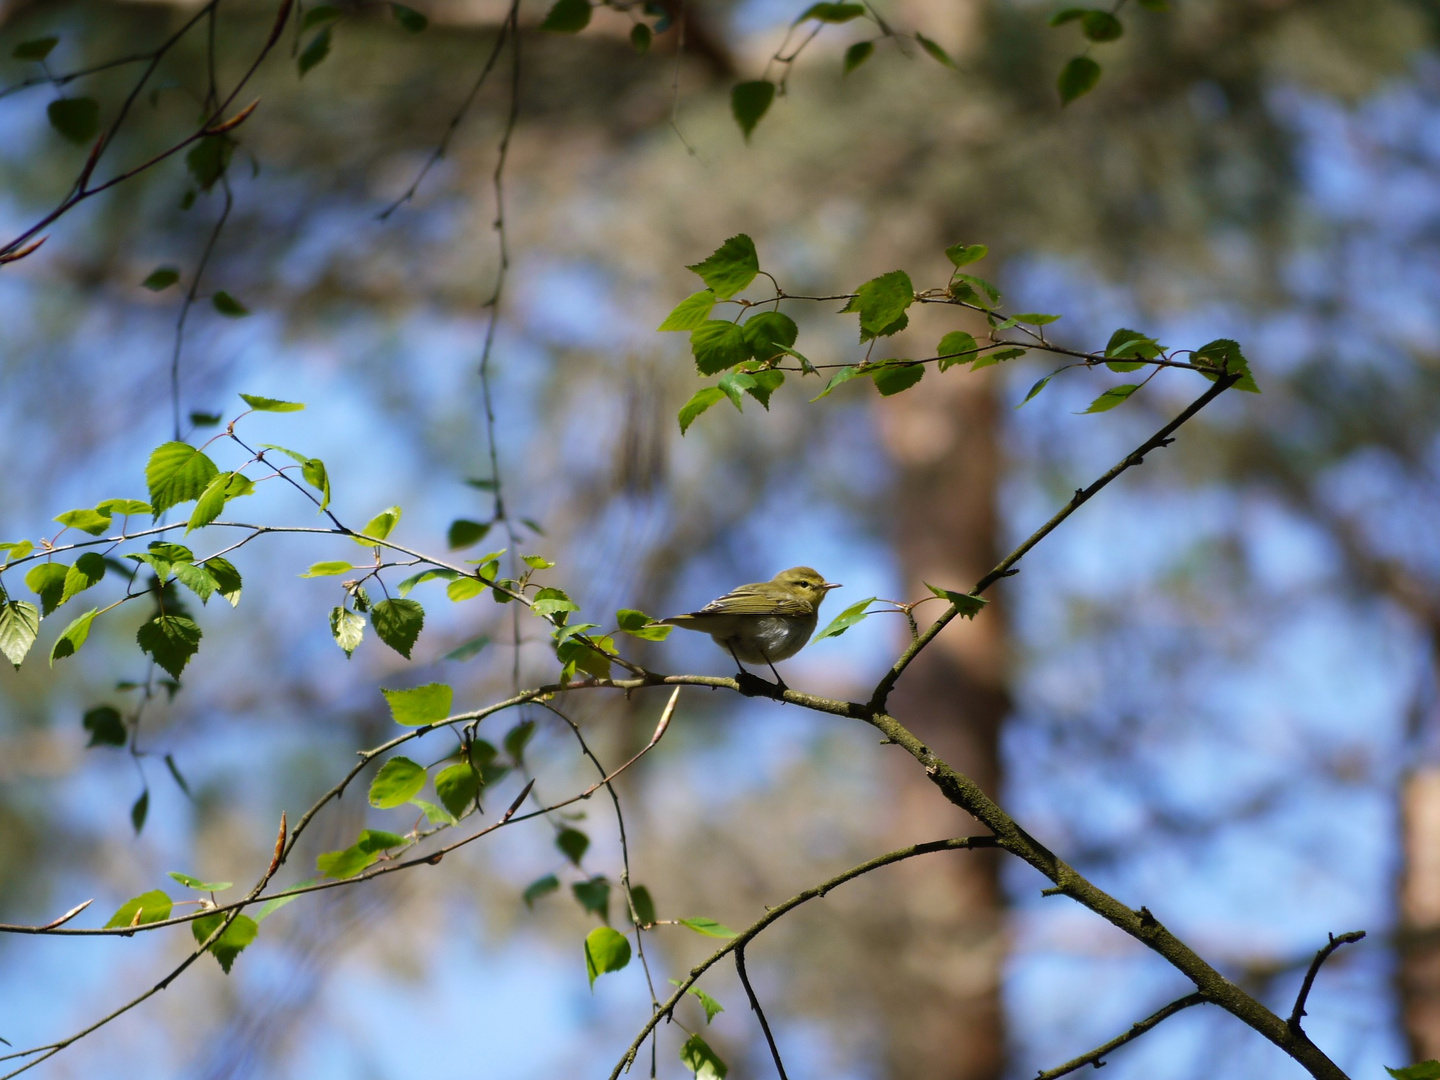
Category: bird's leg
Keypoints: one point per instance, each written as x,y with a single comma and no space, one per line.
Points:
779,682
750,685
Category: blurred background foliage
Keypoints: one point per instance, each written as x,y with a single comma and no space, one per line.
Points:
1214,690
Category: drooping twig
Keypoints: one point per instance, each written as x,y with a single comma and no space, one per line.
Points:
759,1012
1140,1027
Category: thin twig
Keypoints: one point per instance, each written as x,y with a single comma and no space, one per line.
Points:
759,1012
1320,958
1140,1027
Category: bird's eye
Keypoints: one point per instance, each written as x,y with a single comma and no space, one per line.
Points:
805,585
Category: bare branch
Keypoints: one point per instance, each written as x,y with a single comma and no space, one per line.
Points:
1140,1027
1320,958
759,1012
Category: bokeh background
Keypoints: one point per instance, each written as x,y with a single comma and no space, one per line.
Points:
1213,690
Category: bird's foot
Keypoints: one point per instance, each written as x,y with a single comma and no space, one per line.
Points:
754,686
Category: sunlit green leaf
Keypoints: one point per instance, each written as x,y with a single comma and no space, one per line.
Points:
380,526
463,533
176,473
240,933
606,950
849,617
148,907
844,375
201,886
457,786
19,626
47,581
892,378
420,705
398,623
693,310
697,1056
1112,397
72,637
398,780
267,404
698,403
703,924
169,640
968,605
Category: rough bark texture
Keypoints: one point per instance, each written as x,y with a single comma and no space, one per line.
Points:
945,1019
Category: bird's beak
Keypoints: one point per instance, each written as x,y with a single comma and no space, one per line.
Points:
832,585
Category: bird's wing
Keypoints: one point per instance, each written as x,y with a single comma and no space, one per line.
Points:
760,598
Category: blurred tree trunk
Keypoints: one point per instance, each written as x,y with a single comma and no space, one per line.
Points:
1419,943
945,1018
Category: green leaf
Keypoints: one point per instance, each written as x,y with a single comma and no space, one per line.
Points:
965,254
567,17
698,403
317,50
578,654
640,36
551,602
968,605
228,306
169,640
765,384
831,13
606,950
1036,388
1129,344
227,579
313,470
517,738
856,55
436,815
464,532
398,623
148,907
122,507
573,843
1078,77
593,896
35,49
964,287
47,581
540,887
1101,26
397,782
347,628
697,1056
72,637
638,624
712,1007
162,278
378,840
443,574
849,617
275,903
692,312
321,13
891,379
457,786
999,356
12,552
536,562
844,375
345,863
86,573
734,384
464,588
208,159
195,578
768,334
105,726
882,300
1116,395
88,521
328,569
225,487
1425,1070
408,18
956,347
268,404
718,345
469,648
703,924
748,103
177,473
934,49
420,705
731,266
1225,354
138,810
379,526
240,933
202,886
76,119
644,906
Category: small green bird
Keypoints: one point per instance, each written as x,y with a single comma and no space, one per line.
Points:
762,622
